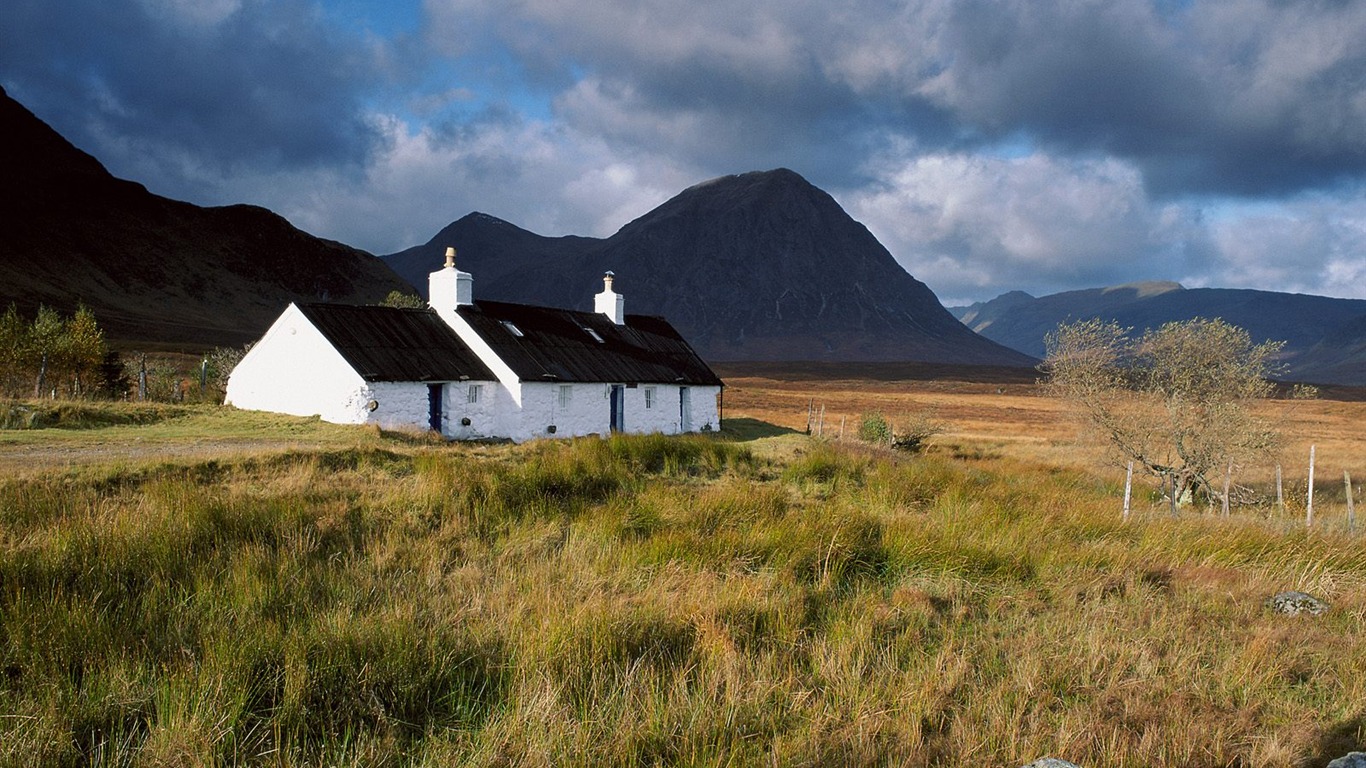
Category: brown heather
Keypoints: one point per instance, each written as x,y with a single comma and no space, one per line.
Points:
652,601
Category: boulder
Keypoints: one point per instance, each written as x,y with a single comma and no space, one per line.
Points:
1053,762
1350,760
1296,603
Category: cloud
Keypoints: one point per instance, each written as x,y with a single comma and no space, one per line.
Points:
992,144
1311,245
1242,97
535,175
975,225
180,92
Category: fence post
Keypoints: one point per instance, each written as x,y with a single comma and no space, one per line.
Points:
1280,494
1128,485
1351,504
1309,500
1228,481
142,377
841,429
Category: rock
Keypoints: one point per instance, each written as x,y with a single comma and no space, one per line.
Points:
1053,762
1350,760
1296,603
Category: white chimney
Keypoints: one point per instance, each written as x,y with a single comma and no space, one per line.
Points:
610,302
448,287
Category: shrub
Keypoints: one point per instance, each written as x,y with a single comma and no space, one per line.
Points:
874,428
914,433
911,435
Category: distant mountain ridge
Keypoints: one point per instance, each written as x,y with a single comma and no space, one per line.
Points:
154,269
757,266
1325,337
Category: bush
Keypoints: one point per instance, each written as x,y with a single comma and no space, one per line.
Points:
874,428
912,435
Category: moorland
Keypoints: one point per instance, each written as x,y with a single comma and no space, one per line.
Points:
192,585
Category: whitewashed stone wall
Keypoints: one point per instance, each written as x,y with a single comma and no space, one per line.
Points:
293,369
589,410
485,415
399,404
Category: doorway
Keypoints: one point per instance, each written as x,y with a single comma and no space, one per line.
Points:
434,406
618,397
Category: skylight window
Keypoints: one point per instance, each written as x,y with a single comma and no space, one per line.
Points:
512,329
594,334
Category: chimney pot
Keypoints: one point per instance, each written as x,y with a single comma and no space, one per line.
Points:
609,302
449,289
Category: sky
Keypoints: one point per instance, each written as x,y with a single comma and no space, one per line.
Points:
990,145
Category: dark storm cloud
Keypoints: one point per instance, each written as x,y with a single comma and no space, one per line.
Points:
1245,97
210,86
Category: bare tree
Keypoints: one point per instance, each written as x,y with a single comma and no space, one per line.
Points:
1174,401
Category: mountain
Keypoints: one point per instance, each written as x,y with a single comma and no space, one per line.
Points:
1325,337
759,266
154,269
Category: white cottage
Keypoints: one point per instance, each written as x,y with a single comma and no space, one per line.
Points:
368,365
486,369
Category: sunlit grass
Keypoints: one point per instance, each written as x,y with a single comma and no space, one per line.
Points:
651,600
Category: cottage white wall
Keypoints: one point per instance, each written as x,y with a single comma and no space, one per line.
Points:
293,369
486,416
665,415
705,408
399,404
589,410
587,414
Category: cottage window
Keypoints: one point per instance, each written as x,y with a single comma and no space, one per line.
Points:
476,392
594,334
649,397
566,396
512,329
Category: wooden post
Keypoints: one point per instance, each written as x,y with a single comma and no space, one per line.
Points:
810,406
820,424
1171,497
1309,502
1280,493
1228,481
1351,503
142,377
841,429
1128,485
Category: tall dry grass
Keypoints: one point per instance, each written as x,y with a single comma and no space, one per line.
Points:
650,600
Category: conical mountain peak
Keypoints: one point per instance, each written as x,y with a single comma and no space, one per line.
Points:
755,266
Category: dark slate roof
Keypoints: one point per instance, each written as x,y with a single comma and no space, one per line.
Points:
556,345
390,344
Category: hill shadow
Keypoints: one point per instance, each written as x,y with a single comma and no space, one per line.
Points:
741,429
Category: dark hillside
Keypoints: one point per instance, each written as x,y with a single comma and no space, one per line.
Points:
154,269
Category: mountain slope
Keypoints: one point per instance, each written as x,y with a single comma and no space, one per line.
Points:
760,266
1325,337
154,269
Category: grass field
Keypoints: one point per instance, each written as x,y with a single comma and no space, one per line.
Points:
198,586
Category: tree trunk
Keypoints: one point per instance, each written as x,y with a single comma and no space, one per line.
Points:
42,378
